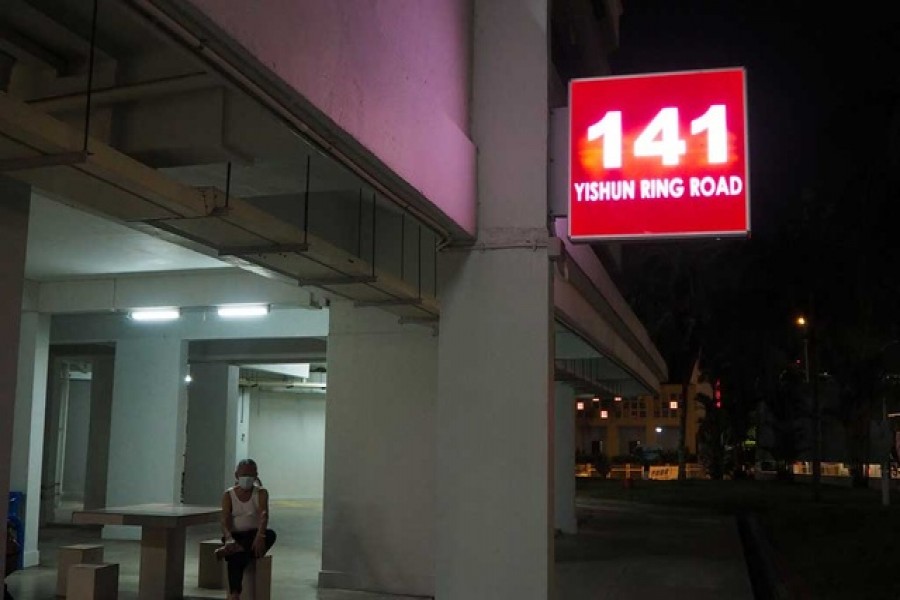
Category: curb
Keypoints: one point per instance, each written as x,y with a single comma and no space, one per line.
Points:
765,578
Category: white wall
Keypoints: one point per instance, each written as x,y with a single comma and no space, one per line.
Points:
495,411
102,384
29,417
393,74
208,468
379,509
287,441
77,421
147,435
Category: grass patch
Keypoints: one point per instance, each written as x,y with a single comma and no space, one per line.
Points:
845,546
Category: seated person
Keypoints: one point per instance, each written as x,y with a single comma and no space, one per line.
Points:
245,518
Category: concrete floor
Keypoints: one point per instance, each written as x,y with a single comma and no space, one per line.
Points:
297,558
627,551
623,551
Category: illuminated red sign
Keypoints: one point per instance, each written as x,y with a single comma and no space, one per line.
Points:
658,156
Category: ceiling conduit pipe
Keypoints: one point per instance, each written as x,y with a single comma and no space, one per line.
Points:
230,72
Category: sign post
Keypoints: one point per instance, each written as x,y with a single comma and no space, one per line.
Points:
658,156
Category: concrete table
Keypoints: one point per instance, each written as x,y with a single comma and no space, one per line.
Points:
163,529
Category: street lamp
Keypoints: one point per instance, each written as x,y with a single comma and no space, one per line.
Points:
813,381
801,323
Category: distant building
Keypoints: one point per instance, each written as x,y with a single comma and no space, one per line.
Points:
618,427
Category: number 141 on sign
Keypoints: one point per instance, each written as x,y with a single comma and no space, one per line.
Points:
662,137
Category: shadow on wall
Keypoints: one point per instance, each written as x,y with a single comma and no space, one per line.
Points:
358,536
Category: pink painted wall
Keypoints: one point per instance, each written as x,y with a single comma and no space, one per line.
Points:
394,74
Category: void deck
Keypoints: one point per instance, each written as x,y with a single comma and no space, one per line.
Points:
141,170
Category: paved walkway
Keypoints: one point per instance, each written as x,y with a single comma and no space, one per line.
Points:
623,551
626,551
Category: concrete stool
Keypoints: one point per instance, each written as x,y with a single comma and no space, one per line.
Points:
209,573
73,555
93,582
257,582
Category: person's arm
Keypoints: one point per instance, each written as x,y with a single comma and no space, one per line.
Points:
259,543
226,519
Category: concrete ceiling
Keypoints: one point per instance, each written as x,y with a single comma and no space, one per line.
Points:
64,242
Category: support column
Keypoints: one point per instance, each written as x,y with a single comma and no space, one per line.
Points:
15,200
378,521
54,439
210,455
495,410
146,446
564,448
97,469
28,437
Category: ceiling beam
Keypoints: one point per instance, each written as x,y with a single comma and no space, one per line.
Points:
143,90
20,46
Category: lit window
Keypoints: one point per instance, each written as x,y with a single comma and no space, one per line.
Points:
673,405
580,406
604,414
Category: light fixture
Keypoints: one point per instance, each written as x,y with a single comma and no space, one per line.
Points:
673,405
237,311
155,314
618,398
596,399
659,430
188,378
801,321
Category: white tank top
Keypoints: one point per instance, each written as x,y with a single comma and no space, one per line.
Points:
245,515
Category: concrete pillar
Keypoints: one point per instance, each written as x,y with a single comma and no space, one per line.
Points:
378,521
54,438
28,437
210,454
237,427
564,450
147,427
495,412
97,469
15,200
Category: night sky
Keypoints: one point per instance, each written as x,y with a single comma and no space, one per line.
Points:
824,138
804,61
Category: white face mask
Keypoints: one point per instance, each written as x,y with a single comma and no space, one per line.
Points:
246,483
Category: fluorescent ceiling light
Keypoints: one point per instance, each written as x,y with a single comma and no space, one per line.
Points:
244,310
155,314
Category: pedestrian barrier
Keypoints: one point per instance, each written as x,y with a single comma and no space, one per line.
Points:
626,471
663,473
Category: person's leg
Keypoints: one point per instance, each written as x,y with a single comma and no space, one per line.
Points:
238,561
271,536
